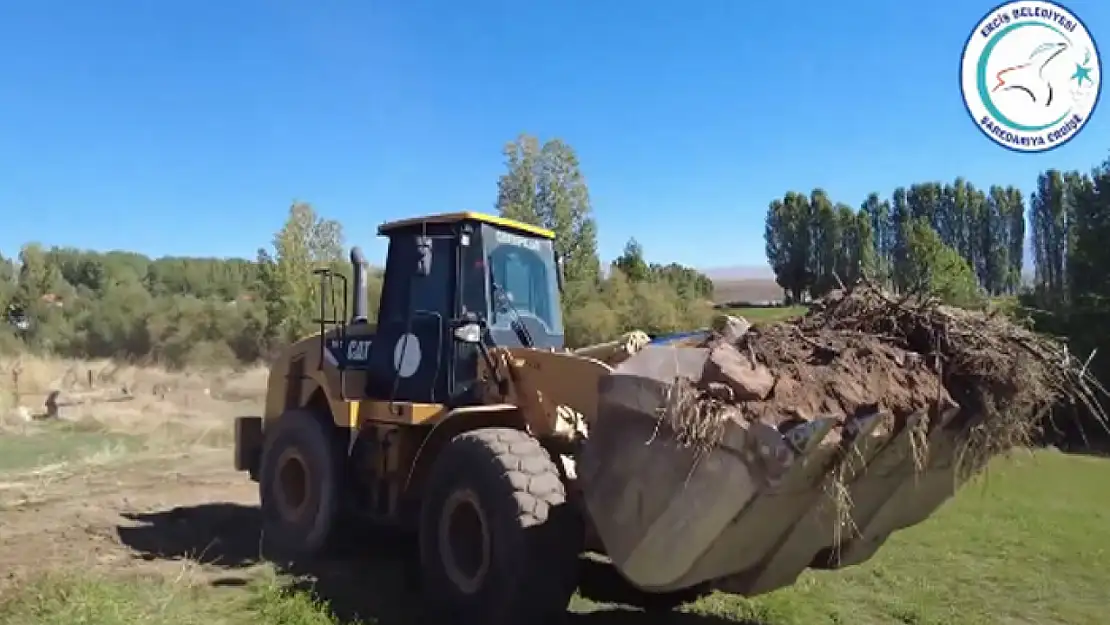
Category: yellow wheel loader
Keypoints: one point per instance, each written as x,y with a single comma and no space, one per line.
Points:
459,414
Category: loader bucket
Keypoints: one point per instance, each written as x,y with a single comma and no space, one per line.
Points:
752,511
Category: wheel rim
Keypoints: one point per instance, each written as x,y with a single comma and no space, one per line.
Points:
292,484
464,542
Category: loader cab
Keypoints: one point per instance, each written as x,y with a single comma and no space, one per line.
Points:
444,270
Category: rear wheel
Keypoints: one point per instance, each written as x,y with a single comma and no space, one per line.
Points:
299,486
499,543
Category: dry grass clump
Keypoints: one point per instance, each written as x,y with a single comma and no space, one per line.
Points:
697,418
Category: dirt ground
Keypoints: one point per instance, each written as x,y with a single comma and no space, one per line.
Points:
107,517
189,518
172,517
133,475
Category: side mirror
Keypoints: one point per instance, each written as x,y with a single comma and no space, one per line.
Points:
423,256
469,333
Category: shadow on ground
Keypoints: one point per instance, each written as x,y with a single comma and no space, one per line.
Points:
374,580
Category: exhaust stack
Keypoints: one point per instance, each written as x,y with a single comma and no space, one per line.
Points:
358,267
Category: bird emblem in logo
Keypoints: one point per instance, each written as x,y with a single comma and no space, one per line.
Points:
1029,78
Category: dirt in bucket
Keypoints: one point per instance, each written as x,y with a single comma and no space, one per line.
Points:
864,349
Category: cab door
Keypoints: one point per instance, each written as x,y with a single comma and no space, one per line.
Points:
412,342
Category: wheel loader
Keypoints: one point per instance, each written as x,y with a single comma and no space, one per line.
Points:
458,414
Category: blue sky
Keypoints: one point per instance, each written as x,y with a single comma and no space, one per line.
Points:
188,127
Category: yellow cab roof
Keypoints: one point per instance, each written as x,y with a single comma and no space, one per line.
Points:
450,218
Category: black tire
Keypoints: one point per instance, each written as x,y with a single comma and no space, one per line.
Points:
300,507
528,536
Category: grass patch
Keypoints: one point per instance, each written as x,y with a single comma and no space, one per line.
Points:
46,443
72,600
1025,545
768,315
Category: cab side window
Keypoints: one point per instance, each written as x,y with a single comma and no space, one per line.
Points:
404,288
432,293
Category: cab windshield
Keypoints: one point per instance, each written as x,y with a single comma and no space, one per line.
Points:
523,282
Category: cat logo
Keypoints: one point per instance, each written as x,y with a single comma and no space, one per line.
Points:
507,238
358,350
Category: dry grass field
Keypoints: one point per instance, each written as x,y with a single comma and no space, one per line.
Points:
125,510
746,290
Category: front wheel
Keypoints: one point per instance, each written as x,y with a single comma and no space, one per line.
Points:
499,542
299,486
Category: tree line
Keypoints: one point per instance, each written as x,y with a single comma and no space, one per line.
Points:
944,234
186,311
955,235
935,234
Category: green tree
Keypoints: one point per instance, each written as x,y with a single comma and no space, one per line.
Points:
877,214
545,187
855,256
689,283
787,237
631,263
290,290
1051,236
814,245
516,188
8,282
900,219
1016,214
824,237
936,268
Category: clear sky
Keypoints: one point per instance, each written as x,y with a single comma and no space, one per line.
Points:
188,126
